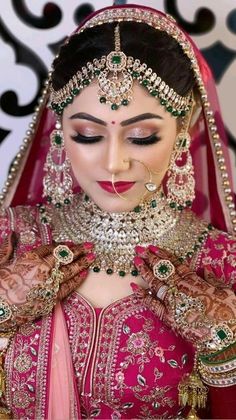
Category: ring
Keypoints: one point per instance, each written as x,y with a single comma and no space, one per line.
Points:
163,269
63,254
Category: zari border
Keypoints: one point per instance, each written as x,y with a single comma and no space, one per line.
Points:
43,369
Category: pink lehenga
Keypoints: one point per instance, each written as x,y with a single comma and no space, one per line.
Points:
120,361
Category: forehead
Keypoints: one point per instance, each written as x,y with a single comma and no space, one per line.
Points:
142,102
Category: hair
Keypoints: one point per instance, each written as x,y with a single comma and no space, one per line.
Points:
155,48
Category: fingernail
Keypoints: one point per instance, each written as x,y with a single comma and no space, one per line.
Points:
138,261
91,256
134,287
83,274
88,245
153,248
140,249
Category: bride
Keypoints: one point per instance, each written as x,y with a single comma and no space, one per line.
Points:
117,276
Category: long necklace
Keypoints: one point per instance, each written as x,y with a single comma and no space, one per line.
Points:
114,234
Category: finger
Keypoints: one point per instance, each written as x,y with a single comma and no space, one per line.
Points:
78,250
146,272
7,248
72,284
73,269
162,254
153,254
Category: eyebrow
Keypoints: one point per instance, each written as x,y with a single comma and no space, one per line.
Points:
141,117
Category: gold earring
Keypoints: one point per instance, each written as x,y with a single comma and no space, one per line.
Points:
57,183
181,183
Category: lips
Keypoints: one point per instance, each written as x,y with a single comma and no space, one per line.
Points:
120,186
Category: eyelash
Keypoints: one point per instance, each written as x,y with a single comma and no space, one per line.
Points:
145,141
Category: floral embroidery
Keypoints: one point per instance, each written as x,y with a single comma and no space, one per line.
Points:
124,371
138,343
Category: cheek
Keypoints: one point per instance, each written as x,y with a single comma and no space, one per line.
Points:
159,158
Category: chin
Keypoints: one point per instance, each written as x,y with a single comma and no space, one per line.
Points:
116,205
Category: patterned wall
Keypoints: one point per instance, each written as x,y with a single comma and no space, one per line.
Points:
32,30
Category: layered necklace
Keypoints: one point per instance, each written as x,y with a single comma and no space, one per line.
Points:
115,234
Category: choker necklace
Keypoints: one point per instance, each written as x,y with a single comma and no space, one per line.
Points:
114,234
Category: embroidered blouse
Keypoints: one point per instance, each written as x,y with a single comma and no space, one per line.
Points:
126,362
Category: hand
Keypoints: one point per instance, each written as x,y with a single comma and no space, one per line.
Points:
186,302
30,285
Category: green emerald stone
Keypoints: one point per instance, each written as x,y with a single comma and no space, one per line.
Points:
189,254
145,82
97,72
109,271
210,227
69,100
125,102
86,198
163,269
221,334
75,91
41,210
175,113
63,253
121,273
169,109
173,205
96,269
44,220
153,203
102,100
86,82
114,107
134,273
116,59
49,199
184,143
135,74
183,113
180,208
137,209
154,93
188,203
58,139
58,205
67,201
2,312
163,102
63,104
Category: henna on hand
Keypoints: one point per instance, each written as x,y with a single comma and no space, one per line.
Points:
203,304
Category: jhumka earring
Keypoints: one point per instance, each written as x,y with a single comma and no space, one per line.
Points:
181,183
57,182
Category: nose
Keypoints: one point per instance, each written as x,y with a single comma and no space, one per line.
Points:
117,159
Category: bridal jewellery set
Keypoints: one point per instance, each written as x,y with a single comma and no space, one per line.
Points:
115,74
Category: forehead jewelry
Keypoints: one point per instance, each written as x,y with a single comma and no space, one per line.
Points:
115,74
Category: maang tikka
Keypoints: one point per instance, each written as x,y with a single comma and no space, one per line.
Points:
57,182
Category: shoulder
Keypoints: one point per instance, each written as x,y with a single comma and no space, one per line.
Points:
25,221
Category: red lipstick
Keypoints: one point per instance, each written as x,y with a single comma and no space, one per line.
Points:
120,186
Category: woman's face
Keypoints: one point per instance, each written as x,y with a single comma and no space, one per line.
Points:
102,143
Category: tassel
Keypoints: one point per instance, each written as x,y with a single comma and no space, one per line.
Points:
192,392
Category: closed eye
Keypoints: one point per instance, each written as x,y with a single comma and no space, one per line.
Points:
145,141
79,138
